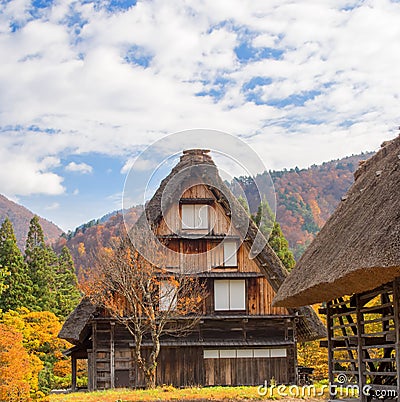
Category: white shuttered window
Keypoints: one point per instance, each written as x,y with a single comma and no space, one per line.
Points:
167,296
194,216
230,294
230,253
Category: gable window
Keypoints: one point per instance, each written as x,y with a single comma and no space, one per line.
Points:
167,300
230,253
230,294
194,216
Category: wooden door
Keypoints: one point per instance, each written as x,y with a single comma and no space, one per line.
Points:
121,378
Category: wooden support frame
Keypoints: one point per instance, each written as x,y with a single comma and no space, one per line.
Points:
367,324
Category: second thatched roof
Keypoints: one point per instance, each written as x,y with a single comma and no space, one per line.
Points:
358,249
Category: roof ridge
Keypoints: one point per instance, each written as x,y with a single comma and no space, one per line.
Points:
386,148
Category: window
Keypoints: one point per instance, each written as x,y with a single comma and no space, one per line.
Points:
167,296
230,253
230,294
194,216
260,353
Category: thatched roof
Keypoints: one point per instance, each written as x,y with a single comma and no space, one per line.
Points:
74,328
198,164
358,249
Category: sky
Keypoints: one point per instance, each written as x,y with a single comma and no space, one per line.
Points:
85,86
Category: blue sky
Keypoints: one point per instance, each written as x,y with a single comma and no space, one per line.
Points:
86,85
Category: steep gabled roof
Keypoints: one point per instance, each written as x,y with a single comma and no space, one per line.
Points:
358,249
197,163
73,329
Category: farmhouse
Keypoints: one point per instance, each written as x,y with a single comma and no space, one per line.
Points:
241,338
353,266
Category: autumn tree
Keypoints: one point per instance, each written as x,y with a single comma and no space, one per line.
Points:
15,368
14,275
39,331
147,299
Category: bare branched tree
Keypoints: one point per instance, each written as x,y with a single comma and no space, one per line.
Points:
149,300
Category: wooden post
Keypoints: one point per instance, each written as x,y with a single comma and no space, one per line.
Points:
329,324
73,373
94,360
396,295
362,378
112,354
294,329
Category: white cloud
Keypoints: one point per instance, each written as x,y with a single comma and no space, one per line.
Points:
67,89
20,175
139,165
83,168
54,205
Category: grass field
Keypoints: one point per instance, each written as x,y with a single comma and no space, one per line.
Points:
173,394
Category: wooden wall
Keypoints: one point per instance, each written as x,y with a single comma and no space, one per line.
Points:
246,371
111,361
218,221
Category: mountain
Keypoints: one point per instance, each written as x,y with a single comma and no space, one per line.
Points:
305,200
90,237
20,218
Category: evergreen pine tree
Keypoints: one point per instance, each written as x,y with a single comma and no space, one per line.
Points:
42,265
280,245
244,204
67,293
271,229
3,274
264,218
17,292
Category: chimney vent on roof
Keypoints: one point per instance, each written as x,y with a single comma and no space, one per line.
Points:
196,156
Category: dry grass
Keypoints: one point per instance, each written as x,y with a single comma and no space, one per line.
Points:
169,393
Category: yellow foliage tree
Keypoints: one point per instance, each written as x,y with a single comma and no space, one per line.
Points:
16,372
39,332
311,354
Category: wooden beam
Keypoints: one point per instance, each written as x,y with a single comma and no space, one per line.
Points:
329,323
73,373
112,354
396,301
362,378
94,360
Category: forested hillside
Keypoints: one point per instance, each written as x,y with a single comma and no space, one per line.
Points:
20,218
305,200
307,197
88,238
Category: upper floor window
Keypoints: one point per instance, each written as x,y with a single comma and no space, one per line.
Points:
195,216
230,294
230,253
167,298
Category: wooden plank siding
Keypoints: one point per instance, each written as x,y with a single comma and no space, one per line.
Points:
186,365
245,371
